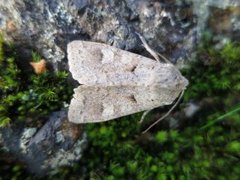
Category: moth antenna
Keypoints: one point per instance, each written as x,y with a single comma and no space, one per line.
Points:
151,51
147,47
163,117
144,115
164,58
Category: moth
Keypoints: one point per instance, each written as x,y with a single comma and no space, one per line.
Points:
116,83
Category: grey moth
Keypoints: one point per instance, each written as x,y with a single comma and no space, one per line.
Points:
116,83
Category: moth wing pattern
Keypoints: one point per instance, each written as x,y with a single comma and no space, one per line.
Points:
97,64
117,83
97,104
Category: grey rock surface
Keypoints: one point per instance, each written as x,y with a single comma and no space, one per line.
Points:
170,27
48,25
218,18
55,144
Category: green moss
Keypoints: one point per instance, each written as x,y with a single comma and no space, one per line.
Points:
1,48
214,72
161,136
36,57
24,94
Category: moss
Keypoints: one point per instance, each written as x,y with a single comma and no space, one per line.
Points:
214,77
161,136
214,72
24,94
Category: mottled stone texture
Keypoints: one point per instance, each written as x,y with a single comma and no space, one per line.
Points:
170,27
48,25
57,143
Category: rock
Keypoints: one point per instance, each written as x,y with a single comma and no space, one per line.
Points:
48,25
57,143
171,28
220,18
27,134
191,109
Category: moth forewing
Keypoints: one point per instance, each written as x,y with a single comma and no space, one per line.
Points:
97,64
98,104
